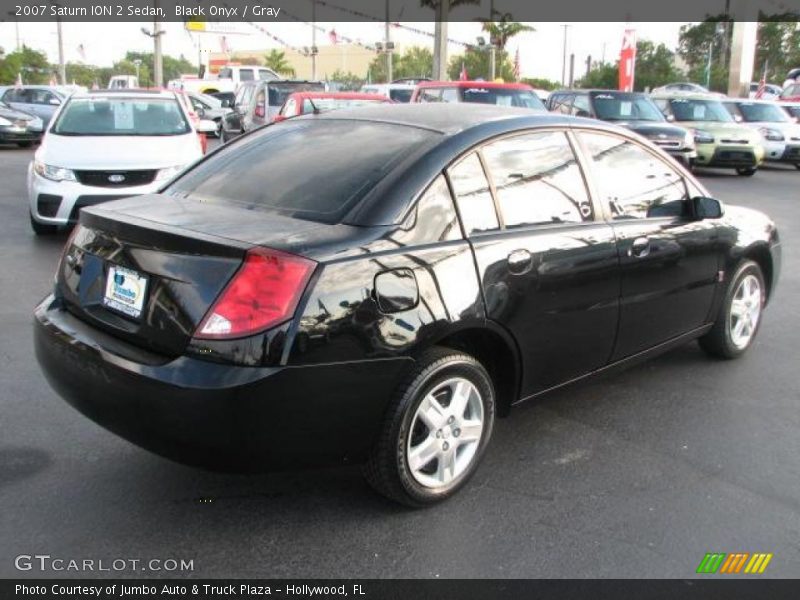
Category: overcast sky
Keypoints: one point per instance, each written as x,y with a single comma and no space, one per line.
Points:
540,51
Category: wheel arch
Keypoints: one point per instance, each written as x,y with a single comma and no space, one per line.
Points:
496,350
760,254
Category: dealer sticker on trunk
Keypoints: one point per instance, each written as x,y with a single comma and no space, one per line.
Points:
125,291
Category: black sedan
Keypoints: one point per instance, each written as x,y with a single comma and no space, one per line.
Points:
376,285
17,127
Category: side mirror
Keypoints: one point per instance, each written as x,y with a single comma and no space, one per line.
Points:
55,102
737,118
706,208
225,103
201,112
671,118
583,113
206,126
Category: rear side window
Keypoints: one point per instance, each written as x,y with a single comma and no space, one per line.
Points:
633,183
473,195
310,169
537,180
246,75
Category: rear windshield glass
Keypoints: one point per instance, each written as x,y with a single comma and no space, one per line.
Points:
310,169
503,97
401,95
279,92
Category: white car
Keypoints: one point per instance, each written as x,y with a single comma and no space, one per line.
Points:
397,92
107,145
779,132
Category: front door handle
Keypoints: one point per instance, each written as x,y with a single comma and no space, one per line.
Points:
640,248
519,262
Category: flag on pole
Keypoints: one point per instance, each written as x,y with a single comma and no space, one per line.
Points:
53,81
18,83
627,61
463,76
333,37
516,65
762,83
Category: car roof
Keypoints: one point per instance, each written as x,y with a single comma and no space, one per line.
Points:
445,118
339,95
473,83
594,90
129,92
685,95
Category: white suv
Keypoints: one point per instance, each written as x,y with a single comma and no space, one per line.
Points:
107,145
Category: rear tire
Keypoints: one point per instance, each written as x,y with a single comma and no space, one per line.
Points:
739,316
223,139
41,228
746,171
797,166
435,431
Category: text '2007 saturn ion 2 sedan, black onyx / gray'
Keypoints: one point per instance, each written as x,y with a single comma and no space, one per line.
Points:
373,286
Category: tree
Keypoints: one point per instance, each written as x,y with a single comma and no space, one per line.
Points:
541,83
348,82
655,66
31,63
276,60
476,63
416,61
500,32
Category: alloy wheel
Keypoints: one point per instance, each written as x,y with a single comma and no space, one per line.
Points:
745,311
445,433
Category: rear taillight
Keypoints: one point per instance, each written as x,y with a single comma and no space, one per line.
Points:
261,110
263,293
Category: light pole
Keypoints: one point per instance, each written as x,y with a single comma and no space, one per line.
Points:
564,57
137,63
313,40
389,47
11,13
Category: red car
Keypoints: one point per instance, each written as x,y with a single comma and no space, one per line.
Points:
303,103
480,92
791,93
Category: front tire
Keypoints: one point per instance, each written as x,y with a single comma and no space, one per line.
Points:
746,171
436,430
739,316
797,166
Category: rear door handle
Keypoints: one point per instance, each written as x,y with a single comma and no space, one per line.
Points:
520,262
639,248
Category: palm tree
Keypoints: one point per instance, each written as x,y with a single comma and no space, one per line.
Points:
500,32
276,60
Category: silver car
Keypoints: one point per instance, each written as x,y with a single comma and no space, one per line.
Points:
209,107
39,100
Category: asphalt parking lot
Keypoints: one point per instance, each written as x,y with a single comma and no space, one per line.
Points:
636,475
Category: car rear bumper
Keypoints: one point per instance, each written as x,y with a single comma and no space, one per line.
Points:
215,415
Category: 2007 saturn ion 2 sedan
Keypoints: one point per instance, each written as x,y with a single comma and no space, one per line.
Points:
375,285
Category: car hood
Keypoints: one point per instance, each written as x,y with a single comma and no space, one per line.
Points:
15,115
790,130
119,152
654,129
724,130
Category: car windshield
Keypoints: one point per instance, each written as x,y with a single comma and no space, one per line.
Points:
326,104
687,109
279,92
793,110
120,115
502,97
762,112
611,106
401,95
315,170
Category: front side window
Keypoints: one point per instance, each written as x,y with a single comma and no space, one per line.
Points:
449,95
537,180
246,75
502,97
473,196
118,115
580,106
632,182
430,95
